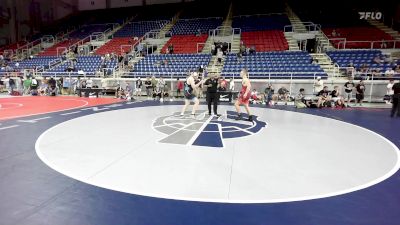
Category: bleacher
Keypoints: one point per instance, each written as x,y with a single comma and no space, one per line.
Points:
140,28
260,22
167,65
264,32
41,61
359,57
193,26
52,51
87,30
363,34
264,41
89,65
114,46
185,43
276,65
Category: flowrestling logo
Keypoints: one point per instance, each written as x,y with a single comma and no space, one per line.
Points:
370,15
205,130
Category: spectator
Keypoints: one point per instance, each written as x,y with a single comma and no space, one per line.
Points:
34,86
231,85
119,92
179,87
360,90
255,98
219,55
283,94
389,72
323,97
213,52
389,91
223,84
383,44
268,93
252,50
337,98
139,85
149,87
128,91
396,100
300,101
334,33
27,86
171,49
89,83
161,87
377,60
11,85
318,85
348,91
2,85
153,83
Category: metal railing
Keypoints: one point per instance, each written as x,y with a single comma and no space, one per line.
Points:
387,44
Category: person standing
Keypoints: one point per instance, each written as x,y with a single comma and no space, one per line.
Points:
27,85
244,96
348,91
318,85
396,100
149,87
212,94
189,92
161,87
179,87
389,91
139,85
360,88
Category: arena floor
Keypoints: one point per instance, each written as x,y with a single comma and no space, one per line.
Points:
68,160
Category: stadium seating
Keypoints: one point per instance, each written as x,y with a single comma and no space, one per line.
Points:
88,30
52,51
177,65
192,26
138,29
358,58
37,62
261,22
185,43
264,65
13,46
89,64
359,34
265,40
114,46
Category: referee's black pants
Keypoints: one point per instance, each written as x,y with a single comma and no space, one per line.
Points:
212,98
396,105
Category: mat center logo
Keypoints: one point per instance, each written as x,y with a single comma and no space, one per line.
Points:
205,130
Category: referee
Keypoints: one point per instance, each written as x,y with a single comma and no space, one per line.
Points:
396,100
212,93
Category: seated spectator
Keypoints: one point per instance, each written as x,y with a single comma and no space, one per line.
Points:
383,44
2,85
300,101
43,87
323,97
389,72
255,98
283,94
252,50
335,33
337,98
377,60
120,92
